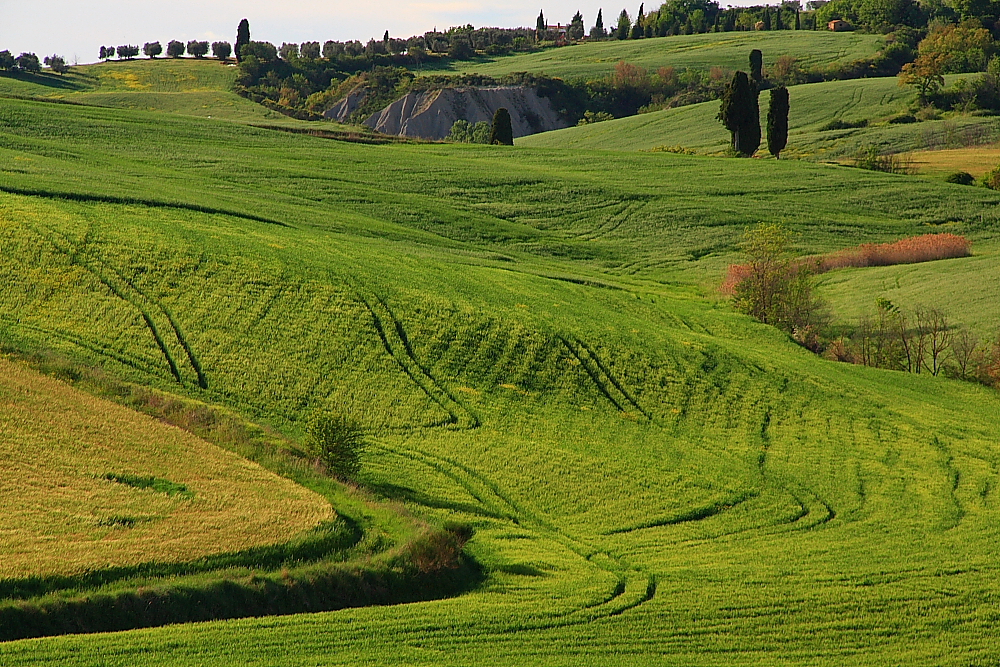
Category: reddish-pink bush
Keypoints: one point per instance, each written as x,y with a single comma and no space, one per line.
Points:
925,248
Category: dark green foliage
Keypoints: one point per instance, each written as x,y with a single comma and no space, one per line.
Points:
757,67
57,64
242,38
873,159
28,62
127,51
798,24
903,119
598,31
197,49
337,442
844,125
624,25
222,50
576,29
740,114
465,133
175,49
961,178
777,121
7,60
540,24
151,483
152,49
767,18
501,133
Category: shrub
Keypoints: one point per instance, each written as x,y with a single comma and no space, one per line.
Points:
912,250
873,159
336,442
903,119
991,179
843,125
960,178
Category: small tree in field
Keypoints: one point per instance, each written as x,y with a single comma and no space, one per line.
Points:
197,49
773,289
57,64
222,50
926,73
502,133
337,442
152,49
175,49
777,121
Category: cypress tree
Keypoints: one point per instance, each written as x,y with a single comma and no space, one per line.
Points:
767,18
502,133
242,38
540,24
778,25
777,121
600,21
757,67
740,114
798,26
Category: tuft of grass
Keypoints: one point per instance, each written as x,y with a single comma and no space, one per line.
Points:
152,483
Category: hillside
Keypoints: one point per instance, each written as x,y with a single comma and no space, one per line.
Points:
533,339
189,87
60,444
727,50
812,106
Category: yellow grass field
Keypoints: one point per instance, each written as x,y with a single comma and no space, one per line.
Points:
58,513
976,160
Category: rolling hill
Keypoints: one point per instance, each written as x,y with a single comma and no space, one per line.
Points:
702,52
812,106
533,340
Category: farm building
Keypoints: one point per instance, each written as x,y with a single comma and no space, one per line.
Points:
837,25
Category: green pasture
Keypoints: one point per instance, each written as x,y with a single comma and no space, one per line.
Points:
182,86
729,50
533,338
812,106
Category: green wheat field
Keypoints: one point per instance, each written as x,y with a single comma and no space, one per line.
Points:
533,339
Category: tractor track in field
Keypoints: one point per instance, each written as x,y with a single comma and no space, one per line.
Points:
126,290
602,377
396,342
633,586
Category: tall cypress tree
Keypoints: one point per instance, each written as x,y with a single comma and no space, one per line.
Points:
740,114
501,132
777,121
540,24
600,21
242,38
757,67
778,24
798,26
767,17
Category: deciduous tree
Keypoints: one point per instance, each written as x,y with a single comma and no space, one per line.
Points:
197,49
222,50
926,73
152,49
57,64
175,49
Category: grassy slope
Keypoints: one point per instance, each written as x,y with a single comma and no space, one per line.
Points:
811,107
729,50
653,478
181,86
57,444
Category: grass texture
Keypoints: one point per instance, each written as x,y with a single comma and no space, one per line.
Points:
812,106
729,50
533,339
59,445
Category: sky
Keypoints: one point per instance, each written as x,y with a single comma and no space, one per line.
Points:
76,30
